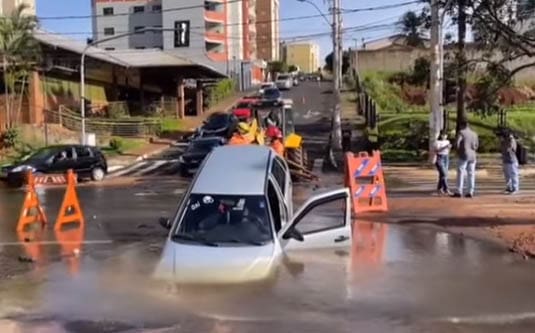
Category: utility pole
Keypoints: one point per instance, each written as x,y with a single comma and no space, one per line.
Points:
435,86
336,134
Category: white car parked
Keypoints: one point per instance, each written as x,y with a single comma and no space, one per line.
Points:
237,220
284,82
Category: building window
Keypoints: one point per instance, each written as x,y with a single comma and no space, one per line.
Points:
182,33
157,8
109,31
107,11
139,9
109,48
139,29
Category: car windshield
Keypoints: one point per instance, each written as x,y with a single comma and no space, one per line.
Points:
225,219
203,145
41,154
243,105
266,85
272,93
283,77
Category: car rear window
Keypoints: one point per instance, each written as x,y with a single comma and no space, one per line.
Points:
283,77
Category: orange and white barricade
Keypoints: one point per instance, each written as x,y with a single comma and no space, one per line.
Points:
365,178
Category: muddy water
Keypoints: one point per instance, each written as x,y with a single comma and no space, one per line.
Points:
398,279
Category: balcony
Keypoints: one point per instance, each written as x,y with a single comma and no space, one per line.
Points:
216,52
215,37
215,16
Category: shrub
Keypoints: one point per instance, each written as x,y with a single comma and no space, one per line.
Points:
117,110
399,155
117,144
386,95
10,138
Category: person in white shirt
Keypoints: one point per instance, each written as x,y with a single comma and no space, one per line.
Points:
442,151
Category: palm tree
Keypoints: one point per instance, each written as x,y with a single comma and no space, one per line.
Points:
19,52
412,26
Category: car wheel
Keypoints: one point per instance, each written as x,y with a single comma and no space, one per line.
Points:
97,174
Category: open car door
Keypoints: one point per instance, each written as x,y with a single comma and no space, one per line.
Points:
324,221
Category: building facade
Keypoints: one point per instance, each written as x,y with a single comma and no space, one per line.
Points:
303,55
213,31
7,6
268,29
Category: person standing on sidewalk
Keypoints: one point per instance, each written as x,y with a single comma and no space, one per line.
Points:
510,163
442,150
466,144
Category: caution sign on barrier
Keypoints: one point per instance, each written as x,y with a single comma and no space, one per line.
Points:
365,178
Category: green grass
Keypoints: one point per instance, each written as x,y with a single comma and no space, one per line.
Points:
171,125
127,145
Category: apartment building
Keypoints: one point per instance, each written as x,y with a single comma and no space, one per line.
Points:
268,29
218,31
303,55
7,6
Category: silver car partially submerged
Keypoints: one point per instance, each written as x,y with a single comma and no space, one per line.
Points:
236,220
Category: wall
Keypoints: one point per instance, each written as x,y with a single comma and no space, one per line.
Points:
402,59
303,55
235,31
127,23
267,29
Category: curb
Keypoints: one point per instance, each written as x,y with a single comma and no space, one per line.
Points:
140,158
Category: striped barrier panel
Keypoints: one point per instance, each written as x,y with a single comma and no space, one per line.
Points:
365,178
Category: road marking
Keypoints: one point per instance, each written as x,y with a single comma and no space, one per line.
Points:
87,242
493,319
129,169
155,165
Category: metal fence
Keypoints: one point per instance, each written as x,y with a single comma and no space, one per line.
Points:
143,127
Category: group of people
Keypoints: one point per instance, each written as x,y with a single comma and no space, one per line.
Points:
246,134
466,145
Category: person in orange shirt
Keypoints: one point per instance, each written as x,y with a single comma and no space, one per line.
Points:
242,135
275,136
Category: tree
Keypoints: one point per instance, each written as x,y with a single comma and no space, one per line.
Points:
19,53
413,26
292,68
345,62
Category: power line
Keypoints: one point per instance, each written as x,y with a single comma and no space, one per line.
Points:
79,17
384,7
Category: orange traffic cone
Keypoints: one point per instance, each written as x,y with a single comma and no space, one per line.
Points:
71,243
31,211
70,211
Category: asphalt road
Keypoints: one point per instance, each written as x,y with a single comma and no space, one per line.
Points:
312,113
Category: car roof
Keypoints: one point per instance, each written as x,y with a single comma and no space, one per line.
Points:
234,170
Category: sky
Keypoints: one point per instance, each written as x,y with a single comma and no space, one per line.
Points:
306,29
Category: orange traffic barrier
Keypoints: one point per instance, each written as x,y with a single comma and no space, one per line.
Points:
70,211
364,176
30,240
31,212
369,242
71,245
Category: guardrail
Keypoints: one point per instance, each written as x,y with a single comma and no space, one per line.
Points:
144,127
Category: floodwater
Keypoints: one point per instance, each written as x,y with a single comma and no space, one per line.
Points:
393,279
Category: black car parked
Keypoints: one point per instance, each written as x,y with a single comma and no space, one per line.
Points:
218,124
197,150
86,162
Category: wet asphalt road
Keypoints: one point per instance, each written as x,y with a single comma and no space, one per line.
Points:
394,278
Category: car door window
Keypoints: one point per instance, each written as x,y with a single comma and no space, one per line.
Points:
279,173
322,222
83,152
276,205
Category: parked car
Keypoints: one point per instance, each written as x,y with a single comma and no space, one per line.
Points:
218,124
284,82
236,221
271,95
86,162
264,86
196,152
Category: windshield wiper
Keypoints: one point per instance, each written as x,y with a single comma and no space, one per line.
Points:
188,237
244,241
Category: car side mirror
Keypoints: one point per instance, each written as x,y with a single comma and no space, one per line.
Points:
165,222
293,233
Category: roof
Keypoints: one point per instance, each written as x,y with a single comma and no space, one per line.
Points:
146,58
234,170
